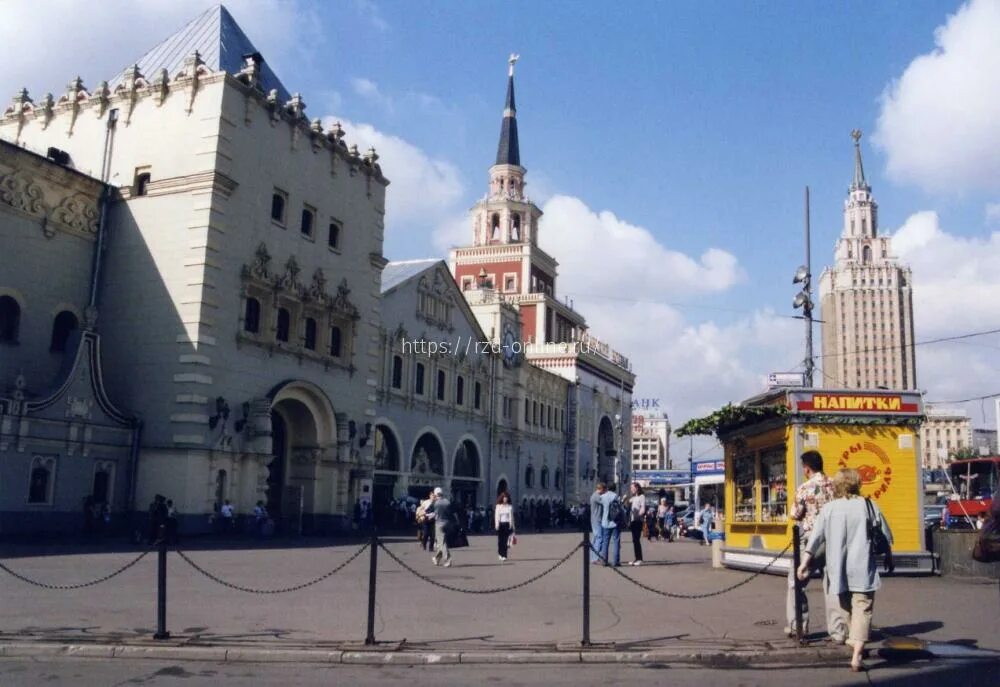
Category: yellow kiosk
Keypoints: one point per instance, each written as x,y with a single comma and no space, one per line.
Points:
874,432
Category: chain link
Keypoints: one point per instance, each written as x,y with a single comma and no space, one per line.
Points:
704,595
282,590
493,590
66,587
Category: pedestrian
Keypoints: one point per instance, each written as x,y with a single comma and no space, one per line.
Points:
443,523
662,532
611,534
260,519
596,518
228,517
503,520
707,519
851,570
810,498
425,521
172,523
637,513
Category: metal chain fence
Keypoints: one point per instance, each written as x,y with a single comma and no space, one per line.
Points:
705,595
81,585
492,590
282,590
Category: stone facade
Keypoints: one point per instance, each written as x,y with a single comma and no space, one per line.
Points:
943,432
651,442
866,301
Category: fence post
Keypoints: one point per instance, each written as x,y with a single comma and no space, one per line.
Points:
161,586
372,568
585,641
796,562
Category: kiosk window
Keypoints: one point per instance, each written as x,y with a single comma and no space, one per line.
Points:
773,485
743,470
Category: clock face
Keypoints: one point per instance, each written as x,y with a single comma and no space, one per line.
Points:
508,346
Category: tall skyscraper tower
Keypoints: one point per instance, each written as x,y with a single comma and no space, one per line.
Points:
866,301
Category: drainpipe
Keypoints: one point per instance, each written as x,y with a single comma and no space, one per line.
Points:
109,141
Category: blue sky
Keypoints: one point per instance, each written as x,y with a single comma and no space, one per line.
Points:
675,128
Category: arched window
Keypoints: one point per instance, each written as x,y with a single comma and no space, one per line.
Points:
477,396
495,226
142,183
307,222
527,411
278,207
64,325
284,324
529,477
251,316
418,380
103,481
866,255
10,319
460,391
335,342
440,385
545,478
41,479
310,341
558,479
515,229
534,412
397,372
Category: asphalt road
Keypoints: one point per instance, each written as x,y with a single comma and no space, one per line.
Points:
120,672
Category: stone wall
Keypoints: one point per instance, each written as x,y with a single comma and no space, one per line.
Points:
954,549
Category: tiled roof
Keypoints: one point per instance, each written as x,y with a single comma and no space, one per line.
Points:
220,42
395,273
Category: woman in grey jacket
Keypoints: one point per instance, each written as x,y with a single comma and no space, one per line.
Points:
851,573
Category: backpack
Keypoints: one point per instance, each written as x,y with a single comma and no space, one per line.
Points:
878,543
616,513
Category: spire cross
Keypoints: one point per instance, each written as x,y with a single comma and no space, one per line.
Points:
511,61
856,135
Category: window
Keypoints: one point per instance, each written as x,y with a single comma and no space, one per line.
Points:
310,342
335,345
278,206
460,391
333,235
534,412
744,473
418,382
141,184
440,385
308,217
477,395
495,226
527,411
10,319
64,325
529,477
549,413
558,479
284,325
251,316
515,229
510,284
42,477
466,283
545,478
397,372
773,486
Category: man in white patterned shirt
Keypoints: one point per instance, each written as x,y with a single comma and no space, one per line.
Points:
810,497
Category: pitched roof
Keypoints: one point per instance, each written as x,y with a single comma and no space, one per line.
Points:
218,39
508,151
395,273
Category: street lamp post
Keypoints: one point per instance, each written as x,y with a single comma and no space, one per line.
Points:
803,299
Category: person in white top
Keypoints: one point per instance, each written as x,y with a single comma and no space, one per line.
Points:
503,520
228,517
637,511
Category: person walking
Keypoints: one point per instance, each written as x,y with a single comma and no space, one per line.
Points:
810,498
425,520
637,514
661,520
611,535
442,524
260,519
228,517
503,520
596,518
851,569
707,519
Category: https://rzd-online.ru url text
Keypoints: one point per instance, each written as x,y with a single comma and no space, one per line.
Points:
467,345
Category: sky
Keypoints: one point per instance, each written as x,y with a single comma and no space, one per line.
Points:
669,145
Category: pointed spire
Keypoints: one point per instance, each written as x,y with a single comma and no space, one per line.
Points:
859,169
508,152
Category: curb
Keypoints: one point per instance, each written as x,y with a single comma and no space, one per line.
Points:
375,656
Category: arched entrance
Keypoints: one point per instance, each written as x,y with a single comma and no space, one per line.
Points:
426,465
465,474
606,451
292,472
387,466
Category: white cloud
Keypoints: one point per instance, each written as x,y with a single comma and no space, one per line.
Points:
993,213
47,44
938,123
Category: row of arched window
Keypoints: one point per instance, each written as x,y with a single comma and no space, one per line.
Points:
529,478
441,391
545,416
333,345
63,325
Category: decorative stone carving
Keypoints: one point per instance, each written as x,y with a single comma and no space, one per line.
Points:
21,105
259,268
75,92
78,407
76,212
342,303
161,86
296,107
317,290
316,131
22,193
103,95
194,67
48,110
290,280
132,82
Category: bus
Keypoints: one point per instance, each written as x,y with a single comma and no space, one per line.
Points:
975,485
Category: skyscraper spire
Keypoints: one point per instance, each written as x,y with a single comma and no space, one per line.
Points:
508,152
859,169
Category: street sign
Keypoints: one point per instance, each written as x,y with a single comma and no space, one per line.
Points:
785,379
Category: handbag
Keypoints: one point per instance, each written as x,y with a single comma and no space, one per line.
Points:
878,543
987,548
512,540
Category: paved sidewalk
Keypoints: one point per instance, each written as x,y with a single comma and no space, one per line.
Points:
418,622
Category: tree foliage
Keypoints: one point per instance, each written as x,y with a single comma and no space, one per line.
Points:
728,418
